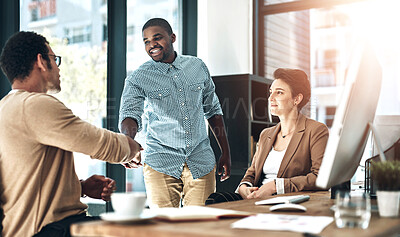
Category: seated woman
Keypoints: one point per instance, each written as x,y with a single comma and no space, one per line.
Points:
288,155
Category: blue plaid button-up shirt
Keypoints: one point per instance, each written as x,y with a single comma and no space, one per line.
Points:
174,99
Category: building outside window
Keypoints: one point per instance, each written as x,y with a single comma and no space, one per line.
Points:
41,9
79,34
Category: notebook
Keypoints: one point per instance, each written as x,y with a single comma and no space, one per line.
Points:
190,213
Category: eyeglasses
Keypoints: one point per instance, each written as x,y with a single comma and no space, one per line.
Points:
57,59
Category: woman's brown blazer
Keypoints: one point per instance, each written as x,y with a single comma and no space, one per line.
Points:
303,157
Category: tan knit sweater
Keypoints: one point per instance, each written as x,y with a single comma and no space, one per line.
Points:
38,183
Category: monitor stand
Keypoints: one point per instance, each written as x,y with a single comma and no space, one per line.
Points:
340,187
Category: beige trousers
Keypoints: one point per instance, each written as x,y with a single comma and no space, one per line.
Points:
166,191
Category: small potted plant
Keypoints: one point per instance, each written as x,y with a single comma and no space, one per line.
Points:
386,176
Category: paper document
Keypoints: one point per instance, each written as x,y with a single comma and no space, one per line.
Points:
296,223
284,199
189,213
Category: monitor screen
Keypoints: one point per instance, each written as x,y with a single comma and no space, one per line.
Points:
350,129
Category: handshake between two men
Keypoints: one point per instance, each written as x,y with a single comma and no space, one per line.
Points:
135,148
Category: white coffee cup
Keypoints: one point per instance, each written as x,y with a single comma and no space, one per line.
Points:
128,204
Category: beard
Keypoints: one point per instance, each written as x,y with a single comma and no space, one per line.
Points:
54,88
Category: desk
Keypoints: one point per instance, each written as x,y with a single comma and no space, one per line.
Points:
318,205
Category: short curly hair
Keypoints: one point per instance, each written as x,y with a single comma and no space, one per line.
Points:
158,22
20,53
297,81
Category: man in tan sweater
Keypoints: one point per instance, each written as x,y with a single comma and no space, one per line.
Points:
39,189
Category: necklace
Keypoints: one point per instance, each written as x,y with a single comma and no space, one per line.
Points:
283,136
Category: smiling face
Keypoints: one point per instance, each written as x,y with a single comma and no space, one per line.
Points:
158,44
281,101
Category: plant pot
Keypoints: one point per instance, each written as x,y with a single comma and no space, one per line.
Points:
388,203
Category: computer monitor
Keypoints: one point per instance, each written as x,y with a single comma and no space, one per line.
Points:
350,129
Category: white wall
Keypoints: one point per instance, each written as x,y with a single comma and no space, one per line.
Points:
225,36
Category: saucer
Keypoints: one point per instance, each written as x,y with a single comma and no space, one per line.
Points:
114,217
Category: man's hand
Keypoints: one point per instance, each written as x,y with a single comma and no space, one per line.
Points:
264,191
136,148
217,126
99,187
245,190
135,162
224,167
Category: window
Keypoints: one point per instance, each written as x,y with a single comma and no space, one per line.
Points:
78,34
287,41
130,38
